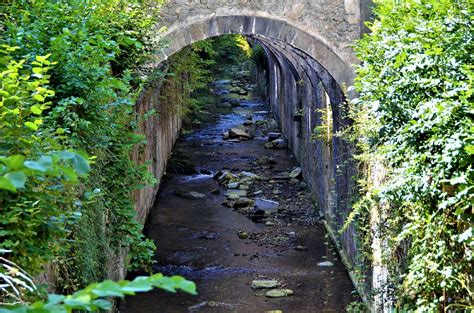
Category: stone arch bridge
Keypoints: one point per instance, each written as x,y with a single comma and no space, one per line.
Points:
310,64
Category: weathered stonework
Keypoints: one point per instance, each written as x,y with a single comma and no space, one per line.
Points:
161,131
324,29
310,62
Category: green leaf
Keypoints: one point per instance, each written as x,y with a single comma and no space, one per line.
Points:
81,164
55,299
60,131
37,70
18,179
6,184
43,164
102,304
139,284
43,58
36,110
31,125
69,172
107,288
469,149
38,97
14,162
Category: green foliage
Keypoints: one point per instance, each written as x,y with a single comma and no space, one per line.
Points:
414,115
36,172
93,297
86,51
191,70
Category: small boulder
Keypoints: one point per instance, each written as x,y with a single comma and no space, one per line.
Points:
234,102
225,105
244,187
268,145
325,264
235,194
268,206
265,160
279,143
279,293
265,284
296,173
301,248
243,202
243,234
273,136
238,133
249,174
233,185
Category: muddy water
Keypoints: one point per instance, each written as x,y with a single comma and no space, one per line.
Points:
198,238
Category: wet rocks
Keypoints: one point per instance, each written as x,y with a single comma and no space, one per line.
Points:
178,165
265,284
273,136
296,173
189,194
279,293
249,174
233,185
265,160
325,264
239,133
234,194
234,102
243,234
243,202
268,206
279,143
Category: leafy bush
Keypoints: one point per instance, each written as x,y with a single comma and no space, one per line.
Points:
69,84
415,115
91,298
36,172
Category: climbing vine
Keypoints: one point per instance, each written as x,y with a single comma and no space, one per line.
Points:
414,121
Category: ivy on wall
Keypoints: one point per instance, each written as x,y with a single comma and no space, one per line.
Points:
414,115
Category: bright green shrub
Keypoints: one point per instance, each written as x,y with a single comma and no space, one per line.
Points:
36,173
95,47
415,114
94,297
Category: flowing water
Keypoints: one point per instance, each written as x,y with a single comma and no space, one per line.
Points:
202,240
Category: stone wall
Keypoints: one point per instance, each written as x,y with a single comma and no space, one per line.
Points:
161,132
303,96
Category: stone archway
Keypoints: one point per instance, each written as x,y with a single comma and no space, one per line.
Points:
337,63
309,72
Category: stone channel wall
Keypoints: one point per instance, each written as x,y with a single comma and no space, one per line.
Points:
161,131
309,105
310,62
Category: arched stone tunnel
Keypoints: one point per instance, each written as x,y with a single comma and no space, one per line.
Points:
310,64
